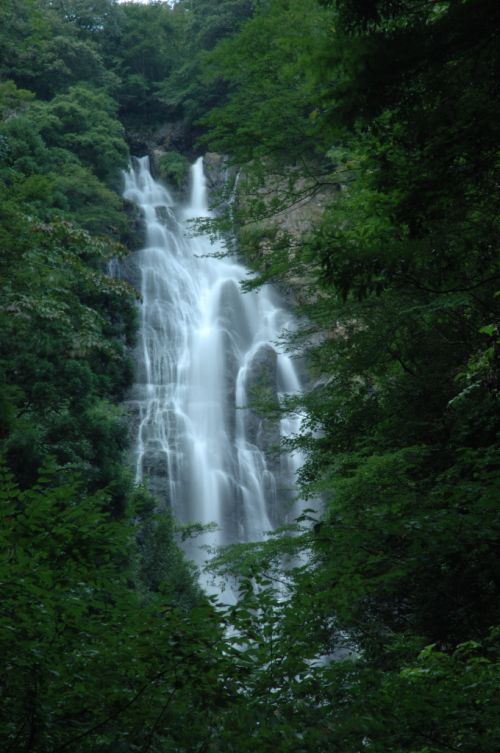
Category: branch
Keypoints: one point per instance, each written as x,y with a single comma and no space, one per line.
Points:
110,717
149,740
18,735
451,290
401,363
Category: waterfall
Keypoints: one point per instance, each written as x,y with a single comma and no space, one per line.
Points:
203,346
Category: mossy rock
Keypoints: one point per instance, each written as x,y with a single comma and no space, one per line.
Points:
172,167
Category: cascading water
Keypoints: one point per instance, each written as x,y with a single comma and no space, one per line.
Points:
203,346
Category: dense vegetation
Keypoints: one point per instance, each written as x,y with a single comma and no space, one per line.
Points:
390,106
97,604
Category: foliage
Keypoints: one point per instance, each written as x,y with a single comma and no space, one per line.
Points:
58,305
82,121
267,110
143,54
87,660
106,641
173,167
394,104
43,53
418,699
201,24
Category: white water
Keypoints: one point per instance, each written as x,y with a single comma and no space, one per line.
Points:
203,344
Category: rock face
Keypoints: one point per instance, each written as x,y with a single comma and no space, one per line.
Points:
169,137
216,170
136,234
220,176
155,465
263,430
231,310
295,205
262,383
172,167
155,157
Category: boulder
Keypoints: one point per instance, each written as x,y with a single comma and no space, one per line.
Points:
262,384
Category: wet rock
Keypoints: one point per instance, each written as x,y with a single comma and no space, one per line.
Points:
169,136
154,158
172,168
220,177
262,386
173,136
156,476
232,314
230,372
135,233
216,169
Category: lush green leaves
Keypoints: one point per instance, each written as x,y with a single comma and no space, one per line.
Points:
397,285
86,659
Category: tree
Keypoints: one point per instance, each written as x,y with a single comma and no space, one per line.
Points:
42,51
187,93
82,121
88,660
397,289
